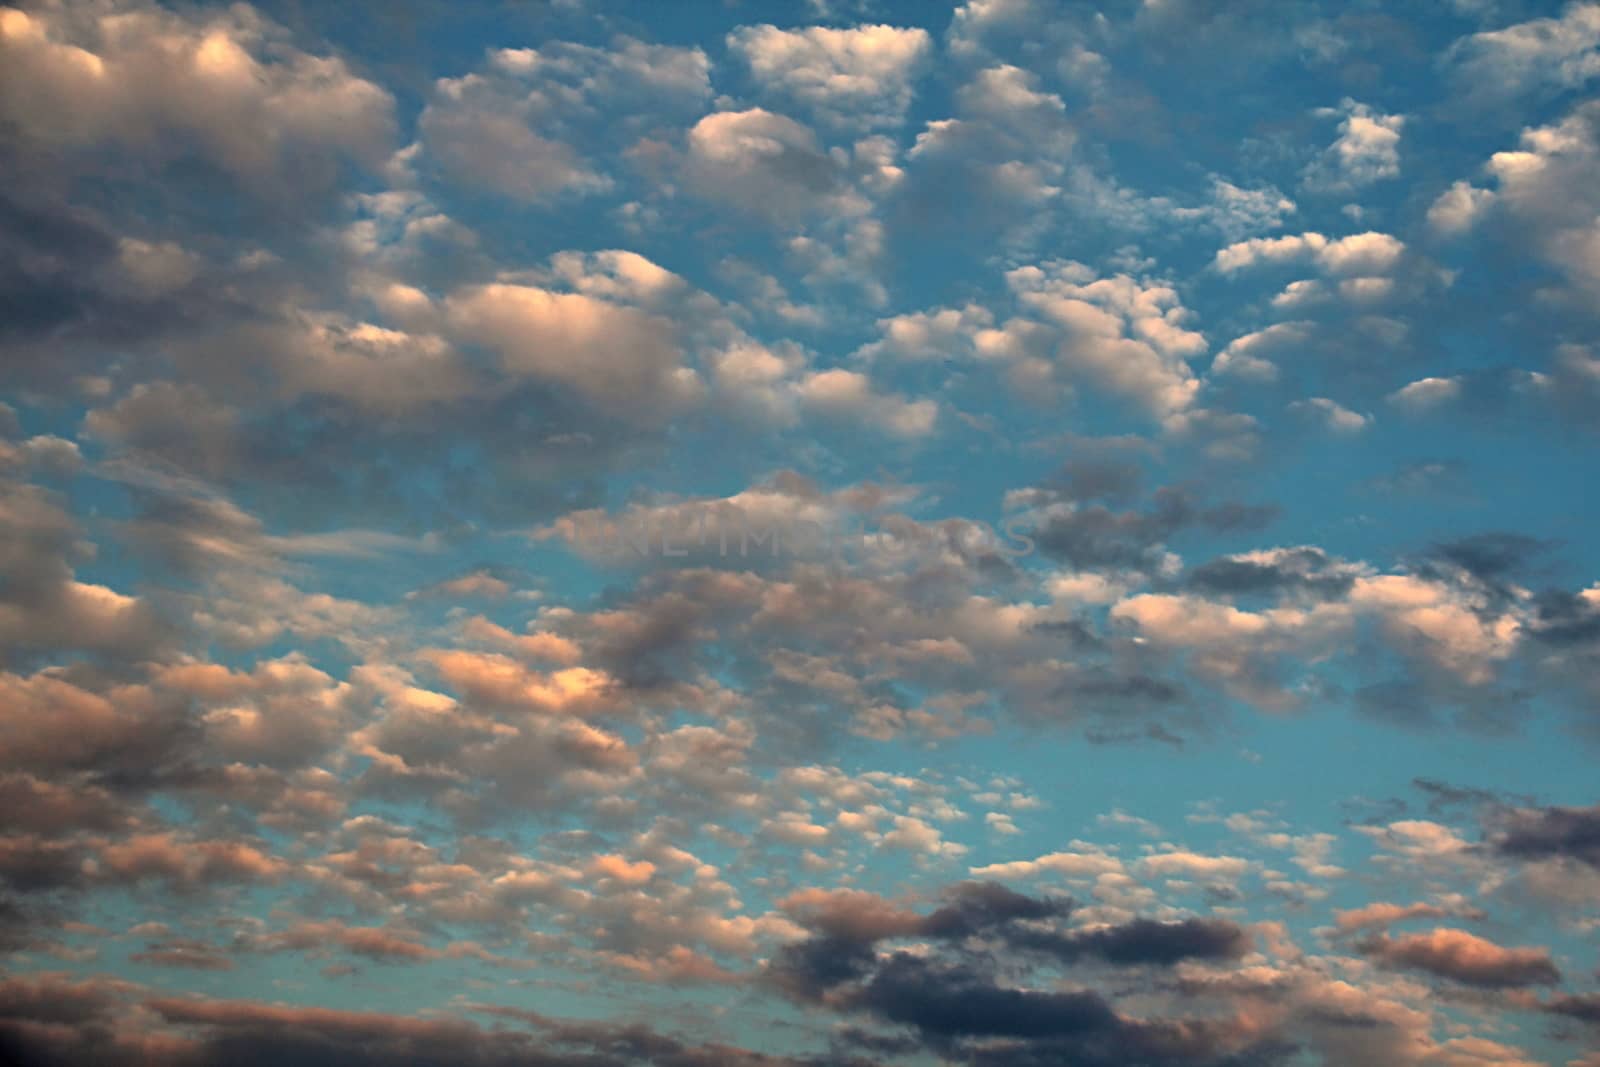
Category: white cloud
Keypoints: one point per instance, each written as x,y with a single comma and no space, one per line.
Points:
1426,393
1459,208
1361,253
1126,336
1251,356
1367,150
860,78
839,392
1557,53
762,163
622,360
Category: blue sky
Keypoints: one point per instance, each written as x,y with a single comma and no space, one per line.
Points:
830,533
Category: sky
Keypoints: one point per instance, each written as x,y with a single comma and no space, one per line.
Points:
821,534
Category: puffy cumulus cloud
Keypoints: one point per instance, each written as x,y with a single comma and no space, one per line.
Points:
621,360
1253,356
479,138
123,732
516,738
978,23
744,158
638,343
1465,958
524,126
1545,188
182,862
1361,254
283,713
1453,633
1127,337
1453,628
379,371
1549,54
937,335
1459,208
227,86
499,680
1368,150
861,77
758,382
844,393
1237,212
1002,156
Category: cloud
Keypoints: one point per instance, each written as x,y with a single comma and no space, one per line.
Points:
525,126
1250,356
1127,337
622,361
229,89
43,605
1358,254
1543,186
1367,151
1069,864
1551,833
1426,393
1002,156
1459,208
861,77
345,356
1302,569
1332,415
1462,957
1547,54
478,143
741,157
1383,915
839,392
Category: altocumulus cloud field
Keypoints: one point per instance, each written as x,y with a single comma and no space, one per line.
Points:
593,534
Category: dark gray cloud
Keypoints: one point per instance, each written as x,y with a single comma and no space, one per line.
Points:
957,1000
1585,1007
1142,941
1550,833
1096,536
1305,569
